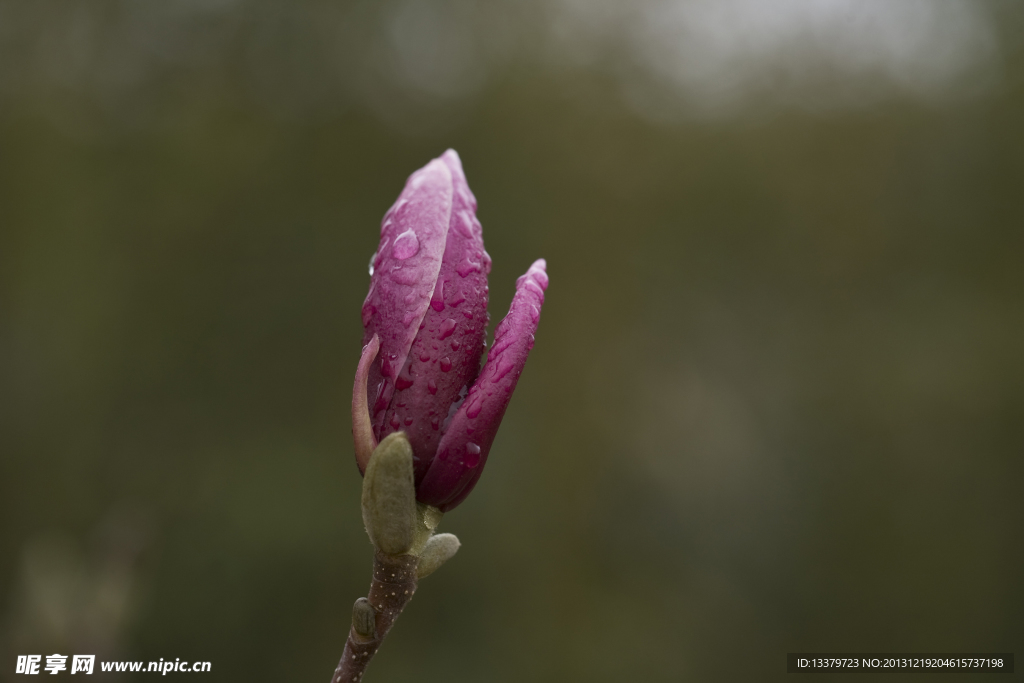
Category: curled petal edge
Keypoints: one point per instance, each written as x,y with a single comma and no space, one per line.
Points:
362,427
462,452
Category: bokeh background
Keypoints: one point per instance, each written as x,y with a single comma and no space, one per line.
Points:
777,397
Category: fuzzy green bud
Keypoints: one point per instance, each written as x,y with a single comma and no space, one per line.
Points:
389,496
439,549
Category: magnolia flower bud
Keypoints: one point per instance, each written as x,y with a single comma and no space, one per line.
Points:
425,318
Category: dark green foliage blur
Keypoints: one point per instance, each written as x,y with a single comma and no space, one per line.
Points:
776,401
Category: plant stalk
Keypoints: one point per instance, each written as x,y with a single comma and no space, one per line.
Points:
392,586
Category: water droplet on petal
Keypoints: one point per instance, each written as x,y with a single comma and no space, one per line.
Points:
382,397
467,266
446,364
455,344
372,258
503,368
406,245
437,298
435,422
395,422
424,357
500,344
474,407
408,318
408,421
402,382
472,455
404,276
534,314
447,327
530,341
457,298
432,386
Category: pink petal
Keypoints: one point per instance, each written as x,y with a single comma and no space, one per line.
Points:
445,357
405,269
462,451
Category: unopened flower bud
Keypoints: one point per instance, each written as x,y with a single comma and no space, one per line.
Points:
439,549
389,496
425,318
364,619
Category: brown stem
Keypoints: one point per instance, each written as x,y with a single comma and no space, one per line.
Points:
393,584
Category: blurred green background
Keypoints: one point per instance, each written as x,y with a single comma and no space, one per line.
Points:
777,397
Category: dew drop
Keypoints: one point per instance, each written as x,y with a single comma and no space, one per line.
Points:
530,341
504,366
467,266
424,357
455,344
446,364
382,397
406,245
373,257
395,422
472,455
402,383
447,327
534,314
500,344
408,421
437,298
435,422
408,318
457,298
404,276
432,386
474,407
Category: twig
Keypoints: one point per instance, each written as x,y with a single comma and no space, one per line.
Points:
393,585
